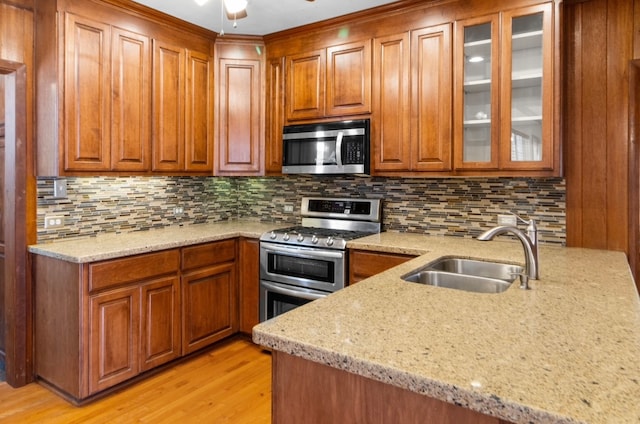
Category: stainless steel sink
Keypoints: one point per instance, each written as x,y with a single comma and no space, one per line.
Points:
466,274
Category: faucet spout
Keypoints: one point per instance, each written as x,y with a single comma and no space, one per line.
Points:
529,243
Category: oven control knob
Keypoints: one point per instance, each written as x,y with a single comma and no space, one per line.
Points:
329,241
300,238
286,237
314,239
273,235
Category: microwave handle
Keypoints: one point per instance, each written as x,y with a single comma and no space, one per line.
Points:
339,148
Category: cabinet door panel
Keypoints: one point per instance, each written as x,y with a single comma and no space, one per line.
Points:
349,79
431,103
160,326
527,89
477,93
209,311
198,142
87,95
306,85
391,99
239,120
113,337
131,101
168,107
274,116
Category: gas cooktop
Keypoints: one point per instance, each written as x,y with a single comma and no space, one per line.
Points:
330,223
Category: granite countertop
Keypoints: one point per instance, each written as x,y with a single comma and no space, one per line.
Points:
110,246
566,351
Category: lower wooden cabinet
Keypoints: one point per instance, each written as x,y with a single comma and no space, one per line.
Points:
249,282
209,294
299,383
100,324
364,264
160,322
114,322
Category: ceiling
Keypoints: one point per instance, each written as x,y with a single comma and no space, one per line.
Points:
264,16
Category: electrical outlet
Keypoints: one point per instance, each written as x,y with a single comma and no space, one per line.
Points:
510,220
53,221
288,208
178,210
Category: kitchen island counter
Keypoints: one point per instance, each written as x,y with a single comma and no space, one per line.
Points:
111,245
566,351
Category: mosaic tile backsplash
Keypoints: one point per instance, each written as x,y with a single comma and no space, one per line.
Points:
448,206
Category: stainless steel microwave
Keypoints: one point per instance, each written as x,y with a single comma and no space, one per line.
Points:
326,148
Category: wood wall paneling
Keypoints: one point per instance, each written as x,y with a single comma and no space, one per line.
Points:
598,46
16,62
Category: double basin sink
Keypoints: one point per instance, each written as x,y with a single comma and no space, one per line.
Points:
466,274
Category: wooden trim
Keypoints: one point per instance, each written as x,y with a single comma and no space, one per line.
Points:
634,171
18,293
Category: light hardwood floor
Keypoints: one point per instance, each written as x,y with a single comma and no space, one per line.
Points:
230,384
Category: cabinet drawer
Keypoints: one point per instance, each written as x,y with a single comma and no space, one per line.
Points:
115,272
208,254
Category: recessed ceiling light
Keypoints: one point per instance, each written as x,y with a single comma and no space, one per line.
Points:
476,59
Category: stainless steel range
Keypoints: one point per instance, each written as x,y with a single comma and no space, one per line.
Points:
307,262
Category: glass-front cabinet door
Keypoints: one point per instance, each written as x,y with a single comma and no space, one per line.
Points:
478,84
504,83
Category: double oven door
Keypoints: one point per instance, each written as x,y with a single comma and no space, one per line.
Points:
291,276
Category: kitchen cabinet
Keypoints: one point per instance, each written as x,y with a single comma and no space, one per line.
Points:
134,94
364,264
133,316
249,280
275,100
329,82
96,326
240,122
130,101
209,294
182,110
99,324
412,88
87,99
504,86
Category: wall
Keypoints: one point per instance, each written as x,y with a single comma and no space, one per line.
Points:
452,207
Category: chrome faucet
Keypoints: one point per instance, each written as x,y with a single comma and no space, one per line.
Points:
529,243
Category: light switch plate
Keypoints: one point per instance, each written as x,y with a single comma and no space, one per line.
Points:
60,188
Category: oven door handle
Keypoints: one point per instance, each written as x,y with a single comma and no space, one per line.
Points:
295,293
311,253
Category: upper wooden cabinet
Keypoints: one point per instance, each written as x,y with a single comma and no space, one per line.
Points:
412,90
436,109
504,89
335,81
240,105
87,98
133,94
274,114
182,109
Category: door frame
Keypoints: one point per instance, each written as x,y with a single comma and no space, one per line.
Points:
17,275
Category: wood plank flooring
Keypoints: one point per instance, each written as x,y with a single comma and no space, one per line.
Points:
230,384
